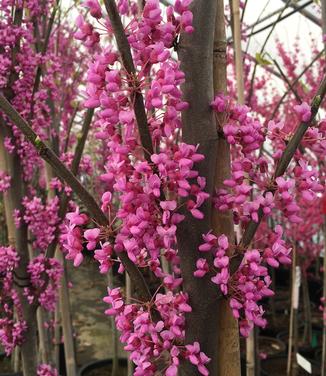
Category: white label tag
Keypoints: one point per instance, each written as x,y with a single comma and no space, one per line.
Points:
304,363
296,290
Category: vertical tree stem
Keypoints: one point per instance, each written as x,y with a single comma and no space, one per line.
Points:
238,50
307,334
128,298
228,332
18,238
293,329
323,365
250,341
66,321
114,331
199,127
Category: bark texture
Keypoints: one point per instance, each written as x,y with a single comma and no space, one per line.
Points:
196,55
19,240
228,333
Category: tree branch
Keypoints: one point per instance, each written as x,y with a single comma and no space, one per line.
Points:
66,175
294,83
64,199
125,52
82,140
297,96
262,50
39,70
280,19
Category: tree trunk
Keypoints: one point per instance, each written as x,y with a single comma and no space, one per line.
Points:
114,336
307,333
66,320
228,332
196,55
323,365
64,302
15,195
292,365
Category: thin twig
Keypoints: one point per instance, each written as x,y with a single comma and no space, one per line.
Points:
125,52
294,83
281,18
64,199
244,11
39,70
306,13
291,87
71,122
262,50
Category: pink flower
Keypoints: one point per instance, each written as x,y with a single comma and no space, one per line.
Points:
46,370
103,256
304,111
75,218
198,358
106,201
210,242
94,8
202,268
92,236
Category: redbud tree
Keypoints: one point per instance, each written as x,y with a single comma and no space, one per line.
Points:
176,163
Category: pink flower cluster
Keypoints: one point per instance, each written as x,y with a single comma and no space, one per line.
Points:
217,246
12,327
304,185
94,8
42,220
143,222
45,275
154,328
86,32
246,136
250,284
4,181
46,370
33,102
250,175
72,238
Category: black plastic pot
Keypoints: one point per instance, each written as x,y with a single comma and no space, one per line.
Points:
269,345
244,367
318,354
276,365
284,336
2,356
84,370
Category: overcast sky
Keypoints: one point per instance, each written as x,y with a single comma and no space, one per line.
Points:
287,30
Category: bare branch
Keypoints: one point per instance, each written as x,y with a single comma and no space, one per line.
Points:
262,50
294,83
125,52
